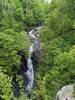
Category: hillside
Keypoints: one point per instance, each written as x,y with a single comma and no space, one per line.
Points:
49,51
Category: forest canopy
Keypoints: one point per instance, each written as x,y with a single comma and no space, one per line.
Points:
57,64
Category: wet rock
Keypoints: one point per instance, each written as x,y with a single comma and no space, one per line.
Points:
36,56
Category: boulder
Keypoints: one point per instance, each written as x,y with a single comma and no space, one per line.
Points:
66,93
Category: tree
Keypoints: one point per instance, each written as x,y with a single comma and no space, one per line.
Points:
5,86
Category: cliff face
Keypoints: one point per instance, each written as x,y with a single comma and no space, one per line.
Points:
66,93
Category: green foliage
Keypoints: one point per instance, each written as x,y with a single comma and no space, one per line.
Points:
57,66
34,12
57,35
10,43
62,73
5,86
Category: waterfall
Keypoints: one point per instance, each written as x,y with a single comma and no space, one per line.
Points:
34,45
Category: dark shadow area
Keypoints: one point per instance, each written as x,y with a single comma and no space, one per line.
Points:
15,87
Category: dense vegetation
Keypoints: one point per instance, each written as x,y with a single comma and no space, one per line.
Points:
57,64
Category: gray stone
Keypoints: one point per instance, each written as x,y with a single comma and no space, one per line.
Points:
66,93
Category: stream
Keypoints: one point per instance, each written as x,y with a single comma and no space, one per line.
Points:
34,45
27,69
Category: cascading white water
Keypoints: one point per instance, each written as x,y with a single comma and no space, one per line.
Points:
30,72
34,45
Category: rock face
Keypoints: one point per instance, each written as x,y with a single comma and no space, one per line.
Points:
66,93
